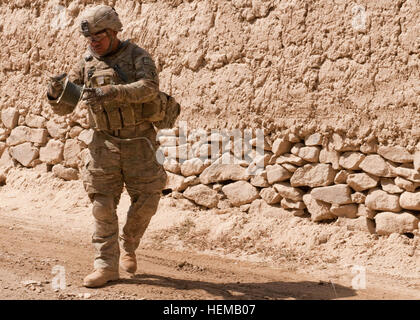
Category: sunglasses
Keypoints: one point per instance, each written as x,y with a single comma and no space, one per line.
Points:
97,37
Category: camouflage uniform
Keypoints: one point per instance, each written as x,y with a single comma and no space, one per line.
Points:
123,147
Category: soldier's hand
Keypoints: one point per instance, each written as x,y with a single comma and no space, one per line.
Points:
56,85
97,96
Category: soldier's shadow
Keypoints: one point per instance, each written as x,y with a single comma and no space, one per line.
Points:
303,290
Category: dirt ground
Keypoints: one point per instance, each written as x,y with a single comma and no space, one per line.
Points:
46,227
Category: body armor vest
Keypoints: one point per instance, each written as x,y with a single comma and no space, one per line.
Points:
116,70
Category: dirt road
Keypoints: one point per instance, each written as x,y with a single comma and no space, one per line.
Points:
41,243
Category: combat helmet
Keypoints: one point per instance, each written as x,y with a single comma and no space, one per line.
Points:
99,18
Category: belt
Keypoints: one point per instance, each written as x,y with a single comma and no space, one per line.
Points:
130,132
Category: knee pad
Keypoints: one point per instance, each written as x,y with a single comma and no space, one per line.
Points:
103,207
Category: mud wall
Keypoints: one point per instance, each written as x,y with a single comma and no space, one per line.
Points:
346,66
344,71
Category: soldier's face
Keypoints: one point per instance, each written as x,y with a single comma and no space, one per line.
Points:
100,43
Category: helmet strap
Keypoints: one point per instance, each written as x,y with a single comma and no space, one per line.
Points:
109,50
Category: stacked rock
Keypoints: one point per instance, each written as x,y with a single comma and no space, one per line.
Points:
323,177
31,140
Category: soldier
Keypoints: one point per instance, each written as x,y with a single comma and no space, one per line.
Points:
121,91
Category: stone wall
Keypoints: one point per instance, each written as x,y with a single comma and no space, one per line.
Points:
350,66
315,176
334,85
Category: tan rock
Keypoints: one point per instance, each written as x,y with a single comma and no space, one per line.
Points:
259,163
168,132
175,182
35,121
389,222
71,153
18,135
10,117
24,153
65,173
38,136
377,166
260,180
341,176
262,144
297,212
314,140
57,130
310,154
330,156
346,210
5,159
182,152
172,165
389,186
410,200
192,181
382,201
281,146
207,150
168,141
290,204
395,154
239,148
369,147
362,224
358,197
319,210
296,147
313,175
337,194
52,153
2,147
341,144
416,160
362,181
75,131
86,136
202,195
363,211
290,158
407,173
223,172
293,138
289,167
240,192
228,158
192,167
270,195
3,134
351,160
261,208
404,184
277,173
289,192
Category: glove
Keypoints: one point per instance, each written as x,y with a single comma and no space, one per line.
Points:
56,85
95,97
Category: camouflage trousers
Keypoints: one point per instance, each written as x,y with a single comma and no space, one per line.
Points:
111,165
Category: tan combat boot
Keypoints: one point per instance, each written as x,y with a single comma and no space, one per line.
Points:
100,277
128,261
